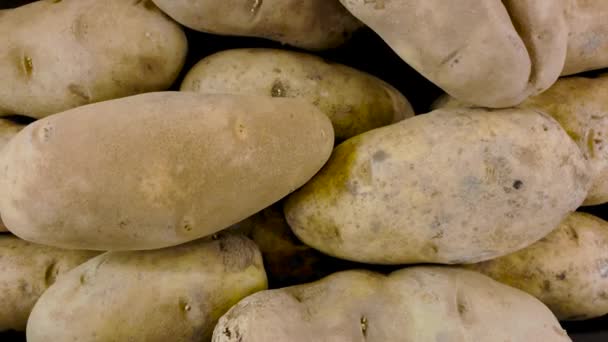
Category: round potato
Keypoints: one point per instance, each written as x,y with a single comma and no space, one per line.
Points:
26,271
58,55
157,169
567,270
310,24
355,102
452,186
172,294
413,304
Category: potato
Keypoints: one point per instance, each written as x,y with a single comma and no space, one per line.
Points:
567,270
26,271
588,37
157,169
8,129
354,101
58,55
413,304
311,24
452,186
172,294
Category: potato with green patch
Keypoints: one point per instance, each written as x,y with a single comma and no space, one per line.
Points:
413,304
452,186
26,271
157,169
58,55
172,294
355,102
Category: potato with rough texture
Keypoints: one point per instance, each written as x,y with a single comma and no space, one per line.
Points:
414,304
452,186
172,294
567,270
157,169
355,102
26,271
58,55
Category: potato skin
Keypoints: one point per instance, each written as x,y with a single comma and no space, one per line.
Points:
355,101
8,129
588,36
311,24
157,169
58,55
172,294
26,271
452,186
413,304
567,270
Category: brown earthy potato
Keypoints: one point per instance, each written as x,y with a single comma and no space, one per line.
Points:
157,169
414,304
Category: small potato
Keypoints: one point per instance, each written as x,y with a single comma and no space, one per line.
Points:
355,102
26,271
157,169
452,186
567,270
173,294
57,55
414,304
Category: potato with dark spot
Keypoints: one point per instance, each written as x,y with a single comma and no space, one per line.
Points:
452,186
355,102
414,304
26,271
172,294
58,55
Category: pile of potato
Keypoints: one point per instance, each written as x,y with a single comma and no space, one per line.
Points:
269,194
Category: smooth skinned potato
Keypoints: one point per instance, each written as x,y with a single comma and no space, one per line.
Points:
58,55
355,102
26,271
416,304
157,169
588,36
311,24
567,270
8,129
452,186
172,294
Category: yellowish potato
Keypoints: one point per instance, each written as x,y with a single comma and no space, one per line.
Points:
157,169
26,271
58,55
413,304
173,294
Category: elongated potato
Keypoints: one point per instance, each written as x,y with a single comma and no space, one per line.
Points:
567,270
452,186
311,24
413,304
172,294
58,55
26,271
355,102
157,169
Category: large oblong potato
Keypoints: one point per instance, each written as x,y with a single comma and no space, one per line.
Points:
310,24
567,270
26,271
58,55
452,186
157,169
354,101
414,304
173,294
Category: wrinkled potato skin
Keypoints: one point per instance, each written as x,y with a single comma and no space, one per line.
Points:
114,175
415,304
58,55
588,38
172,294
355,102
26,271
452,186
311,24
567,270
